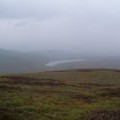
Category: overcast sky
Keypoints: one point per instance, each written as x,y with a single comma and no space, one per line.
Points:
87,26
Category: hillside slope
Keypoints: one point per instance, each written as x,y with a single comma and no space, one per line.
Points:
83,94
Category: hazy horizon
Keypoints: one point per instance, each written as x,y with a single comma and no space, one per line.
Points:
85,27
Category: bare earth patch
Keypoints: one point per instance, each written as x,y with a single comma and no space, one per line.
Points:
103,115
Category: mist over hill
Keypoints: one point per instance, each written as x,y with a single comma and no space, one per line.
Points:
15,61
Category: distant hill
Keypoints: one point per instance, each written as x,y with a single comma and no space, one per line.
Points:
53,55
15,61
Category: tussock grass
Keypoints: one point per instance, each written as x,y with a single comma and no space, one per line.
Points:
61,95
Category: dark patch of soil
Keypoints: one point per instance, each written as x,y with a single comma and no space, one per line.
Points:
116,70
85,70
110,92
19,78
9,88
32,81
92,85
103,115
16,114
48,92
73,95
86,98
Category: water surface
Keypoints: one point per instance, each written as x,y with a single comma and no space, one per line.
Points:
54,63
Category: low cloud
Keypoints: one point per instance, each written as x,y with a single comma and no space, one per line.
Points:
78,25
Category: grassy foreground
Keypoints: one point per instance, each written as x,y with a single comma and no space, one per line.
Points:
61,95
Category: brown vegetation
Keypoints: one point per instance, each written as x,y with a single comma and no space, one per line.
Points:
103,115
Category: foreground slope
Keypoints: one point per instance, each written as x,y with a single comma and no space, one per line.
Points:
61,95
